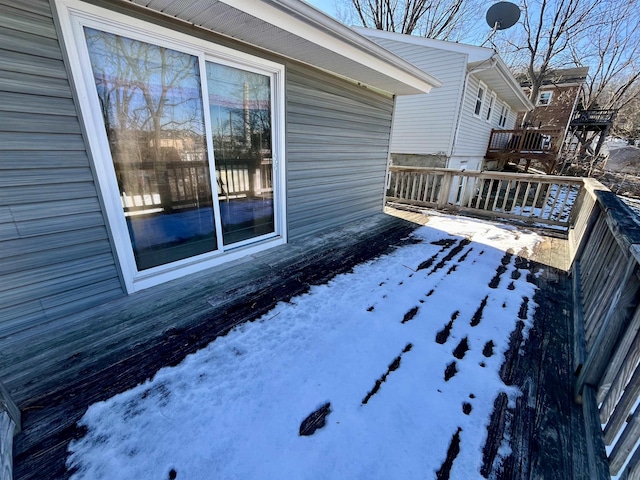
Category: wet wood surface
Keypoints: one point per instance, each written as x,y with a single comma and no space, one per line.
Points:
113,348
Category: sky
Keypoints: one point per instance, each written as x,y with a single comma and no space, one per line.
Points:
327,6
395,362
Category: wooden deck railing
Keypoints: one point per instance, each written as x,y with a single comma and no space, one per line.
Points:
184,184
9,427
604,239
594,116
524,143
606,248
540,200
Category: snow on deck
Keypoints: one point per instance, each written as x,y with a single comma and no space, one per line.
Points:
387,372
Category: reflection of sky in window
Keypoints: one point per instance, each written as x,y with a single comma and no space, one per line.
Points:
138,83
227,91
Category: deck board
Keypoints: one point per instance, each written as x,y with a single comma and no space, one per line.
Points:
56,372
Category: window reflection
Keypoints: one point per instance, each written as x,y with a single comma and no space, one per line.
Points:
152,108
240,109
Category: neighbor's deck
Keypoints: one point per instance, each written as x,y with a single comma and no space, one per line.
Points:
55,373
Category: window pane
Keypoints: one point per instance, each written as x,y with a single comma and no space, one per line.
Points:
152,109
479,101
240,109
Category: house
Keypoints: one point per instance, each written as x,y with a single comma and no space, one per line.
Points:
557,98
450,126
143,141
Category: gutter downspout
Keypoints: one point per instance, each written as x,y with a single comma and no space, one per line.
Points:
492,63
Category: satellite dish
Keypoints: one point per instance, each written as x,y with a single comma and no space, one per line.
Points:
503,15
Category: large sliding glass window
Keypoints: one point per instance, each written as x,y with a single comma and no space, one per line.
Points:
191,145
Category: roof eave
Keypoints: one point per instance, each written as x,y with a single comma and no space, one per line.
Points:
514,86
303,20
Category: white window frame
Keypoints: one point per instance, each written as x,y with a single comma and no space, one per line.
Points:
74,16
479,99
504,115
540,94
490,106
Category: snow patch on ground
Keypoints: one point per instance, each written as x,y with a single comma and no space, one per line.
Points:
233,410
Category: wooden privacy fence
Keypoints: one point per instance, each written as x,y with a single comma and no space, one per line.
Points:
606,248
540,200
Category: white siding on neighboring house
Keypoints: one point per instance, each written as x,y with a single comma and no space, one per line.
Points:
473,135
424,124
511,121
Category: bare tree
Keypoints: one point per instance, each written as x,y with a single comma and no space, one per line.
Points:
612,51
628,121
441,19
551,28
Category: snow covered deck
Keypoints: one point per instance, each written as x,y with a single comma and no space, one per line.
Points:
538,433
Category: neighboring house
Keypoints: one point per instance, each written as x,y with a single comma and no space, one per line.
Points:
144,141
450,127
557,99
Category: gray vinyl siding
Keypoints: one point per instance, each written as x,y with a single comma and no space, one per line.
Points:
424,124
337,143
55,255
56,258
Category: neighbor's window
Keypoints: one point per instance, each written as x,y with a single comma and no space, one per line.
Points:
544,98
504,113
479,100
492,100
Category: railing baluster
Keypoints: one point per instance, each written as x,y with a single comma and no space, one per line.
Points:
564,202
480,193
486,202
434,181
553,199
414,194
395,188
548,187
515,196
506,196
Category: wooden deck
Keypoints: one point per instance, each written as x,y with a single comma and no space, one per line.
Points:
540,145
55,374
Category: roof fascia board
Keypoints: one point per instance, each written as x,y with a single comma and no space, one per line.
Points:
305,21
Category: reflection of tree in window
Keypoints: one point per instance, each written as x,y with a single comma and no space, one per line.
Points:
151,103
240,109
240,112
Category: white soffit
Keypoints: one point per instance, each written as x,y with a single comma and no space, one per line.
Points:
299,31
